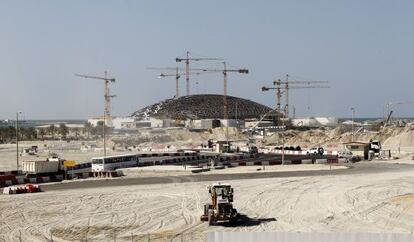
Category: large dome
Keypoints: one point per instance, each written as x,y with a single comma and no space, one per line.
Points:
208,106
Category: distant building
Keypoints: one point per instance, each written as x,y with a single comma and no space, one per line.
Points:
94,121
358,148
315,122
152,123
257,124
204,124
124,123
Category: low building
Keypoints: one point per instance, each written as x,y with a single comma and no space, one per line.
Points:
203,124
258,124
358,148
124,123
150,123
94,121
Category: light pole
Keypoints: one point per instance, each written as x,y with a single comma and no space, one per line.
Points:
283,140
353,117
17,140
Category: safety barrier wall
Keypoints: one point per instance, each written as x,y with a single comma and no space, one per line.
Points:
22,180
16,180
293,152
8,173
269,162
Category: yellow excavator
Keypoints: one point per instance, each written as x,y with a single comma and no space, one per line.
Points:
221,208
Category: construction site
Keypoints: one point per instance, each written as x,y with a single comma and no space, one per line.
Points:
144,177
266,156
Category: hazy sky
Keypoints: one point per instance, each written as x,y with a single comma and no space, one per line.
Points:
365,49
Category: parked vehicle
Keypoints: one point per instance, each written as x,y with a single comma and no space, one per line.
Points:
315,151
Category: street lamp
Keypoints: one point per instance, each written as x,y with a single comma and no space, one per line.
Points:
353,117
17,140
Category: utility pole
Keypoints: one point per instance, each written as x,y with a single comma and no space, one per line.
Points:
17,140
283,141
187,60
107,107
353,117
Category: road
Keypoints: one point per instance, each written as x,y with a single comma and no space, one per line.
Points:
356,168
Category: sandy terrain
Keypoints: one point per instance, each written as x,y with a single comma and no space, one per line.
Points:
365,202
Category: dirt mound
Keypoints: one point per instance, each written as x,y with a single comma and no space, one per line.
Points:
390,137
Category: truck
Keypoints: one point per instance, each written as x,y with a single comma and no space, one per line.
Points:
221,207
375,146
48,166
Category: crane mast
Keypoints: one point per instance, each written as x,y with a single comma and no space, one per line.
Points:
224,71
107,119
284,90
288,86
187,60
177,75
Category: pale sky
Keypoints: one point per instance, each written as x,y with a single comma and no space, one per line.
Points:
365,49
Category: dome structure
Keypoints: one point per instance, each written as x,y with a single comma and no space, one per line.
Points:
206,106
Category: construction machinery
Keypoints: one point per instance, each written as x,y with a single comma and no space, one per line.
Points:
389,109
225,71
375,146
221,208
285,90
107,119
187,60
178,73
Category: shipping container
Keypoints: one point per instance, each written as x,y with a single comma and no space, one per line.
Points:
39,167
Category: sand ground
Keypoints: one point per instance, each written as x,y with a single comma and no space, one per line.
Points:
382,202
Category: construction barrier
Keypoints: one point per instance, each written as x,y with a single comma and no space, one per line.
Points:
292,152
28,188
23,180
105,174
332,160
10,173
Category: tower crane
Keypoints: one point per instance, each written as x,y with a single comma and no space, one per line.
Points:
178,73
287,86
107,119
224,71
207,71
284,90
187,60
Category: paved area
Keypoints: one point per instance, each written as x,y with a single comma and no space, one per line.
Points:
355,168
